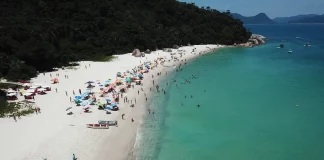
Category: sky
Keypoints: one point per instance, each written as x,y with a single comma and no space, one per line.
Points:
273,8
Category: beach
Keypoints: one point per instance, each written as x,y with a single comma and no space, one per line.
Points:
54,135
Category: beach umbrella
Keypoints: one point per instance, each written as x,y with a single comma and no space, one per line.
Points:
107,108
140,76
84,103
90,82
128,79
90,86
41,89
37,85
11,91
11,94
30,91
113,105
78,97
77,101
85,93
68,108
46,86
26,84
27,94
33,87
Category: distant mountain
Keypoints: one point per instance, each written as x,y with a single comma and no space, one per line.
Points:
260,18
314,19
293,18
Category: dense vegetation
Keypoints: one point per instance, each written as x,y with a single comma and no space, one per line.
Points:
40,35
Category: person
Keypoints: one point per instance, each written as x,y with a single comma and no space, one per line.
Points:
80,91
198,105
146,99
18,114
70,99
73,92
132,120
14,117
36,110
73,157
138,91
56,90
123,116
39,110
66,93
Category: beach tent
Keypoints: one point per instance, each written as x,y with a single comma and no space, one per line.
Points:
136,53
147,51
175,46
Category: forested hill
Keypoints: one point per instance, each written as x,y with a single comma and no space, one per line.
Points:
39,34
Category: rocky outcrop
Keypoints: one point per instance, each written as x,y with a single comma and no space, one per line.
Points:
255,39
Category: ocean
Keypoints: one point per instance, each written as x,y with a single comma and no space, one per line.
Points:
259,103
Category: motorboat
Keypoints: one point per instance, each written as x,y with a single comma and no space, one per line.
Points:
98,126
307,45
281,46
290,51
110,123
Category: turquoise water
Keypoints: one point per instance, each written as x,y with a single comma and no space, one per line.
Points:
248,99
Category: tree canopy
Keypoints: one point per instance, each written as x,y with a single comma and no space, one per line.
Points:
40,35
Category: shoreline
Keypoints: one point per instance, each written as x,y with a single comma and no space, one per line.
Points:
54,135
131,151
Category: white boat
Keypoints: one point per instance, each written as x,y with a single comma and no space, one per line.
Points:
98,126
290,51
307,45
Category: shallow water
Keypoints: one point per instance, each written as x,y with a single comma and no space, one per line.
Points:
247,99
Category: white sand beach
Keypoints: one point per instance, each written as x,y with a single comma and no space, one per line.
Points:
54,135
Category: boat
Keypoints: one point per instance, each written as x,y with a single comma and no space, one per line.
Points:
110,123
290,51
98,126
281,46
297,37
307,45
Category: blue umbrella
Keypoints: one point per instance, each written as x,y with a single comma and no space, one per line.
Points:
107,108
140,75
78,97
